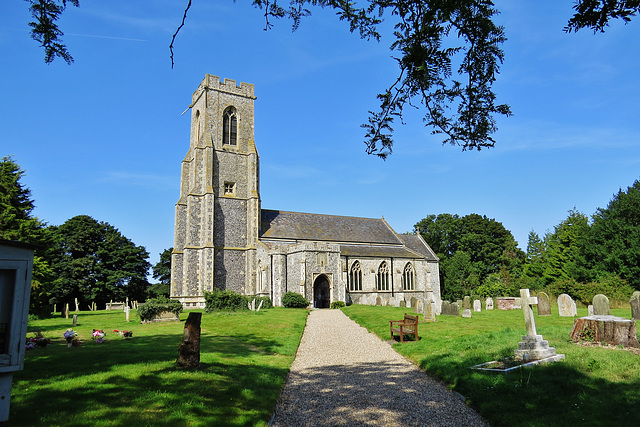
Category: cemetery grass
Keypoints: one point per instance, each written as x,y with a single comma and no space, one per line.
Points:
592,386
245,358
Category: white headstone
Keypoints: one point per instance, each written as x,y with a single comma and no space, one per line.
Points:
477,306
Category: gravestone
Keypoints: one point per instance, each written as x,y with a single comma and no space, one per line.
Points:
446,308
127,314
66,311
459,303
189,350
466,313
489,303
533,346
414,302
75,320
601,305
544,305
378,301
635,305
419,308
566,306
477,305
455,309
429,311
466,303
590,310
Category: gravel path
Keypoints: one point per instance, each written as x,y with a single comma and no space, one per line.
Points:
346,376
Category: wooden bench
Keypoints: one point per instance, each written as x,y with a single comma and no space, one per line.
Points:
406,326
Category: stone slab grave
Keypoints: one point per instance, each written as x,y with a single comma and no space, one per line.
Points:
466,303
635,305
446,308
507,303
605,329
455,309
533,349
601,305
566,306
477,305
466,313
544,304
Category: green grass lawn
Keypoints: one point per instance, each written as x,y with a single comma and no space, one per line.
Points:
592,386
245,358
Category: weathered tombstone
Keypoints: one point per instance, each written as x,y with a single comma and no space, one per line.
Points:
189,350
127,314
419,308
429,311
75,320
66,311
544,305
489,303
590,310
466,313
635,305
477,306
55,308
446,308
414,302
455,309
378,301
566,306
533,347
466,303
601,305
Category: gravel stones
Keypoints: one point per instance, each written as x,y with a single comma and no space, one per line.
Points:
346,376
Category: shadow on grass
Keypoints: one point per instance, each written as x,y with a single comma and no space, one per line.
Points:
136,382
366,394
546,395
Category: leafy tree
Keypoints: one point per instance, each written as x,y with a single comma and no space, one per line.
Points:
470,249
595,14
162,272
562,250
612,245
94,262
18,223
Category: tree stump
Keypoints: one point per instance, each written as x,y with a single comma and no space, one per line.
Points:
189,350
608,329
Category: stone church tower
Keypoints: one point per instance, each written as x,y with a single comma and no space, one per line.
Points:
218,213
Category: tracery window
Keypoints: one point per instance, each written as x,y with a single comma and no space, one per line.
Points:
382,278
355,277
230,126
408,278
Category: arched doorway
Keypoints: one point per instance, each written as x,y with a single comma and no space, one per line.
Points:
321,293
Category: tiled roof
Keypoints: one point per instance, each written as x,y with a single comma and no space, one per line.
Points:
331,228
416,243
378,251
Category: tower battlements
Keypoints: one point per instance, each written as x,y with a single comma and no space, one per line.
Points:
212,82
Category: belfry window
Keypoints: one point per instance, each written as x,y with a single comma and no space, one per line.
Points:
408,278
382,278
355,277
230,127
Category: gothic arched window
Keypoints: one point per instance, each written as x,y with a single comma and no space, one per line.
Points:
382,278
197,126
408,278
229,126
355,277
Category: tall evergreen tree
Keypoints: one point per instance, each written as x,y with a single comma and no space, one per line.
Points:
613,243
562,250
18,223
535,262
162,272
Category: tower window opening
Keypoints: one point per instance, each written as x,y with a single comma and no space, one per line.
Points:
230,127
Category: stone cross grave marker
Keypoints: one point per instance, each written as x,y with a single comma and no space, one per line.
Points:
533,346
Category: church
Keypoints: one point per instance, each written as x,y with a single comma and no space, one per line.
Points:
224,239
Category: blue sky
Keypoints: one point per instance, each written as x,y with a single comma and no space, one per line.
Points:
105,136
